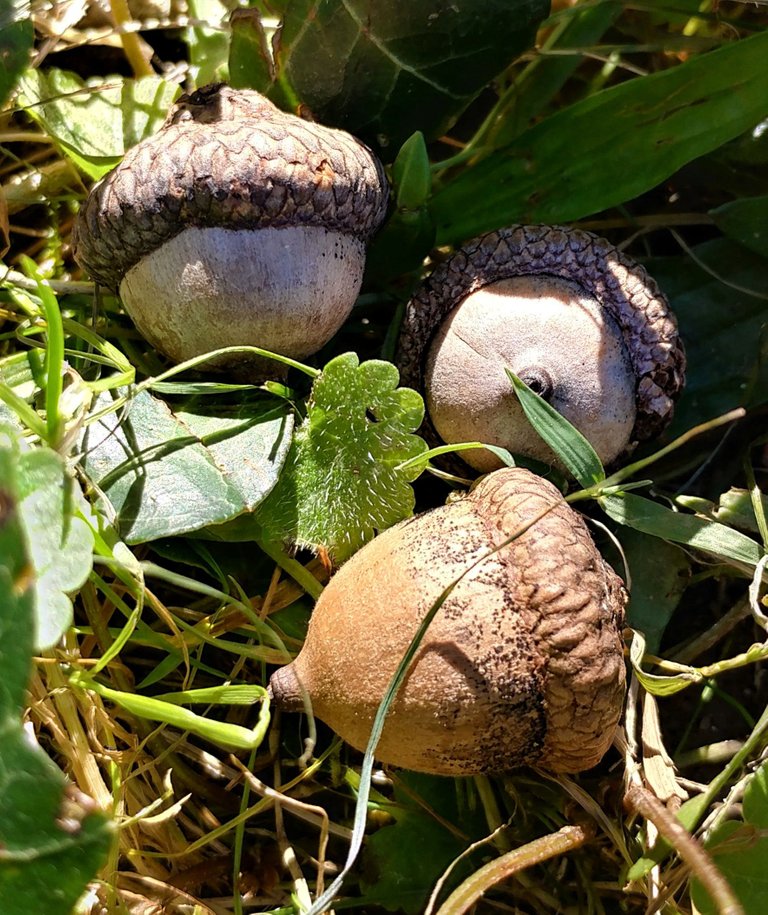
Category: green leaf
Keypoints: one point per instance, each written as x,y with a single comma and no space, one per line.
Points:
659,573
612,146
657,685
250,60
174,469
342,483
745,221
720,305
697,533
208,41
533,90
411,173
17,36
735,509
740,855
51,840
94,123
60,542
387,69
565,440
398,875
755,807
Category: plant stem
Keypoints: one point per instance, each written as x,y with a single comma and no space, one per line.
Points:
474,887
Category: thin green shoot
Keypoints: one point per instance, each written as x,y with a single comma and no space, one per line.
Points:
168,709
54,353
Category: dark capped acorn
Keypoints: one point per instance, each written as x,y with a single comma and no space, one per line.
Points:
576,319
236,224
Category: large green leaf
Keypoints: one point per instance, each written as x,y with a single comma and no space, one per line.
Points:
342,482
17,36
740,851
720,303
611,146
171,470
94,123
51,839
384,70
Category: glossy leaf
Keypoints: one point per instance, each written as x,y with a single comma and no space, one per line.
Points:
342,482
387,69
174,469
51,839
745,221
95,123
17,37
612,146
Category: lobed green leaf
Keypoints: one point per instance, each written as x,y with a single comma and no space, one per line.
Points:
342,482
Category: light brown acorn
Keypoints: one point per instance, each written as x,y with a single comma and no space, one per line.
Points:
522,664
581,323
236,224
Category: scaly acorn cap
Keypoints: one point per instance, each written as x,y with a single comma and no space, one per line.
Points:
227,158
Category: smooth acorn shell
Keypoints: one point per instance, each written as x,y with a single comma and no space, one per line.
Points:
522,664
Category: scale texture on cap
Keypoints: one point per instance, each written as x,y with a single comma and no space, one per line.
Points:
230,158
626,291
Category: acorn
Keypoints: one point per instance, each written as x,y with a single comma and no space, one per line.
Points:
236,224
521,665
582,324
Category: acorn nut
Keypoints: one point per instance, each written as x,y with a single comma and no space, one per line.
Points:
582,324
236,224
521,665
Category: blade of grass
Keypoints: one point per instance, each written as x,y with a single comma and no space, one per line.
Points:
563,438
54,352
166,709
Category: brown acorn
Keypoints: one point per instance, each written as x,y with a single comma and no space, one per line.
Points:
521,665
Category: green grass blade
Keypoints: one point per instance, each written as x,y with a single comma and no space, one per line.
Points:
697,533
564,439
54,352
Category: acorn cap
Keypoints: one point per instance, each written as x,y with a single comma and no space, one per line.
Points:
227,158
623,288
